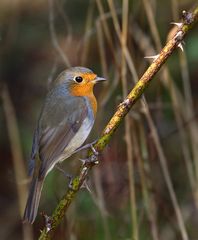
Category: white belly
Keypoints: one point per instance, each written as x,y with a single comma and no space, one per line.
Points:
78,138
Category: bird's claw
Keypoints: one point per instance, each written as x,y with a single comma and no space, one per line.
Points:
71,184
187,17
48,221
91,159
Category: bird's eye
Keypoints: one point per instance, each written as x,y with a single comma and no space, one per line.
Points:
78,79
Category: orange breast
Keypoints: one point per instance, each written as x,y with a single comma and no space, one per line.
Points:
85,90
93,102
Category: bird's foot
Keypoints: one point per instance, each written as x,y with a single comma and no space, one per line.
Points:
48,221
91,159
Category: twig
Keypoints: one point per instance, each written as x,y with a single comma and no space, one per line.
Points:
116,120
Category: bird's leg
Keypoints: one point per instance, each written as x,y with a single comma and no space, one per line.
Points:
67,175
94,151
58,167
88,145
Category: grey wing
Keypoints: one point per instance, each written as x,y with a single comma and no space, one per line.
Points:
33,153
58,123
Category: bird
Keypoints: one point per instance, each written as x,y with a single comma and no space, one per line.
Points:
65,121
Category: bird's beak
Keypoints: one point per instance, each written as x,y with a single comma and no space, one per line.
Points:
99,79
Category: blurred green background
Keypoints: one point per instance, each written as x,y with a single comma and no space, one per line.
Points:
130,197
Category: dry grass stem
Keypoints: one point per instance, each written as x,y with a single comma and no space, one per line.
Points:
18,164
53,34
129,149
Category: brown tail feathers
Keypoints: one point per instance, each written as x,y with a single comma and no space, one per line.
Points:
33,200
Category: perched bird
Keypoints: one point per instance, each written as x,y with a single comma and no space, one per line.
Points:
65,122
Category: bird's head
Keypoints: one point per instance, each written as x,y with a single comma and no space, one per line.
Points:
79,80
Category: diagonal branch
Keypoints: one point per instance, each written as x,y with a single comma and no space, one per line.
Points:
189,20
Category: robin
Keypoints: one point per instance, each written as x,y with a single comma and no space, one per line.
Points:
66,119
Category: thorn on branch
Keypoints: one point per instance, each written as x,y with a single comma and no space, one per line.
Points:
179,37
154,57
181,46
85,186
179,25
